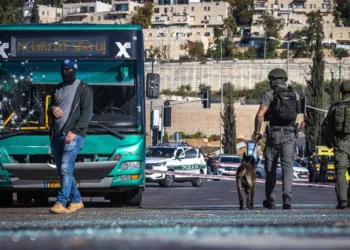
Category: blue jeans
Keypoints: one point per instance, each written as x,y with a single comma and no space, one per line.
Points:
65,156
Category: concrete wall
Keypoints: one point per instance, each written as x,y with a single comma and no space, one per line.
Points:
189,118
243,74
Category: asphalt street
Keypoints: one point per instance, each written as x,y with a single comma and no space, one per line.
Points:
184,217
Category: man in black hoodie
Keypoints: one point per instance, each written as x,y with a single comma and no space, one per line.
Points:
71,110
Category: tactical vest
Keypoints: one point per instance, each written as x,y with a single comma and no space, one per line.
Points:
283,108
341,117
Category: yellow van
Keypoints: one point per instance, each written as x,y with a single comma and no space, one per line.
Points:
323,150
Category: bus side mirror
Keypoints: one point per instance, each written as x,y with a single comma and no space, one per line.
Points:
152,85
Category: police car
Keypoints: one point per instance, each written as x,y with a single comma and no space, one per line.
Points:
175,157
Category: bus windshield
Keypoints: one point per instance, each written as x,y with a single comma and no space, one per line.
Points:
26,88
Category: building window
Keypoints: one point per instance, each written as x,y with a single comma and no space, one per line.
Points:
165,10
122,7
207,34
314,6
310,6
331,35
220,18
271,6
157,18
349,34
99,18
340,35
43,13
326,5
47,13
208,8
205,8
208,17
198,34
91,19
192,8
135,8
150,35
282,5
156,10
192,18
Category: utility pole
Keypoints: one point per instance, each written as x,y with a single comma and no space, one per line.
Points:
265,49
340,76
169,45
288,58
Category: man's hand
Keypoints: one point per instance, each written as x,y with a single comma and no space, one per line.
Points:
57,112
257,137
69,137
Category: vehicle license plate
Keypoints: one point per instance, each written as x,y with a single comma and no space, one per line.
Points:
330,177
304,176
231,173
55,184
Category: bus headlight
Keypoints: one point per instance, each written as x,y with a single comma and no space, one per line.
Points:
131,165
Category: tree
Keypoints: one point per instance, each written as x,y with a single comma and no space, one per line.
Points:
343,7
271,28
260,89
8,12
340,52
244,10
197,50
230,26
143,16
229,120
314,118
35,13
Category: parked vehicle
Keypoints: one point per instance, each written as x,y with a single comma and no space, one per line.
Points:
227,164
299,173
177,159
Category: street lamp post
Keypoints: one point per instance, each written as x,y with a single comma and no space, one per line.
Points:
265,49
288,57
340,76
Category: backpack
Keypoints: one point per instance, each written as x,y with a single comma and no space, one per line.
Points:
285,104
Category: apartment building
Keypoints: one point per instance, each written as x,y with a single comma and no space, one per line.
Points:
292,14
176,26
172,25
47,14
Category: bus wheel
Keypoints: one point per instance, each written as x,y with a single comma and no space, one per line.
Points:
41,200
6,199
133,198
24,198
197,183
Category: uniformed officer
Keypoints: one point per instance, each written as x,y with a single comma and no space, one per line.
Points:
336,133
279,106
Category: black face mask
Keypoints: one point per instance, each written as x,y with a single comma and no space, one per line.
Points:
68,77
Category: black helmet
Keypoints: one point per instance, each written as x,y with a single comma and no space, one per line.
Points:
345,86
277,73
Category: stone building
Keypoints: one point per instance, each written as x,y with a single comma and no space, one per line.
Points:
292,13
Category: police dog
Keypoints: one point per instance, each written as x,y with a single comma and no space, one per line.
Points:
245,177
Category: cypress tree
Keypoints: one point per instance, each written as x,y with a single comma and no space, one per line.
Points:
229,120
314,118
8,12
35,13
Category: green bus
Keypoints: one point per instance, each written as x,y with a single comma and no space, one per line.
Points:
111,59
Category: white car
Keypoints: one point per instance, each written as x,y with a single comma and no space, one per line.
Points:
227,164
300,173
176,159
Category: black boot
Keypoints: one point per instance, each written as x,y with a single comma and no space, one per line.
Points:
342,204
287,202
269,204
